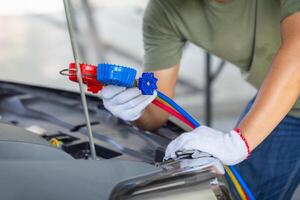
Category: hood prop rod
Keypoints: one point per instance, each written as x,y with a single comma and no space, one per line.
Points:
73,40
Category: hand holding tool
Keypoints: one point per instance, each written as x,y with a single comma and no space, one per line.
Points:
126,103
230,147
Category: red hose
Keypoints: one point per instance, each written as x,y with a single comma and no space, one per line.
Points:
172,112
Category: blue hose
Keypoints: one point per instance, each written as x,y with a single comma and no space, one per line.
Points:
242,183
196,124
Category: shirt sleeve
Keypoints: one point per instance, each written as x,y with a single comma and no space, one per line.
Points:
289,7
162,42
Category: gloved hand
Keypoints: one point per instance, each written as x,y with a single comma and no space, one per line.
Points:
125,103
231,148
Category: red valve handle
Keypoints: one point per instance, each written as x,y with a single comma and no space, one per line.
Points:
89,76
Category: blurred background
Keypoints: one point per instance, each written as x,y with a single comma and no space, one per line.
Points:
34,46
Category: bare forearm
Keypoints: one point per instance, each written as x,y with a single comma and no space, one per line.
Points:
280,89
276,97
152,118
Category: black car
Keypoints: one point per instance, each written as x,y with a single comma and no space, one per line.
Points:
44,153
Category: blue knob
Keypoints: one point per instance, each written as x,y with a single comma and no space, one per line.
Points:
147,83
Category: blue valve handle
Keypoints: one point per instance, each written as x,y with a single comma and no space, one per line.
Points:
111,74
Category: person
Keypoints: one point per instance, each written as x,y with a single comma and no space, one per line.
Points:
262,38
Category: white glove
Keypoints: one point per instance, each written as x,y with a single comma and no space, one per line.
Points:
230,148
125,103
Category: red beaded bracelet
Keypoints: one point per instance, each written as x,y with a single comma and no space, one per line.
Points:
238,130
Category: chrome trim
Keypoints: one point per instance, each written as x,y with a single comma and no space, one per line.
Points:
184,176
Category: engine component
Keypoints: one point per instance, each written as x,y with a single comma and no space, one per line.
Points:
56,143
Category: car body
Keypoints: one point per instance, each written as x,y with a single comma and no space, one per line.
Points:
126,166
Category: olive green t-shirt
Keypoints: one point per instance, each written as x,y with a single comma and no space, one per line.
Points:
243,32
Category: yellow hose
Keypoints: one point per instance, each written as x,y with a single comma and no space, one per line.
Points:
236,183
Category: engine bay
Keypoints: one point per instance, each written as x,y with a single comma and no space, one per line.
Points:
57,114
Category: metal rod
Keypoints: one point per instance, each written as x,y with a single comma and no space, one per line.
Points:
208,85
82,94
